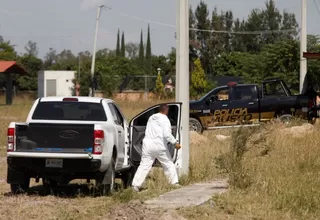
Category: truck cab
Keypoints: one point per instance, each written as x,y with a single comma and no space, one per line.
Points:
235,105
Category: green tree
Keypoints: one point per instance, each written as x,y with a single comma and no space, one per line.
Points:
141,51
203,22
198,79
7,52
123,46
49,59
31,48
148,63
238,40
313,74
65,60
132,50
159,87
193,45
32,65
118,44
281,60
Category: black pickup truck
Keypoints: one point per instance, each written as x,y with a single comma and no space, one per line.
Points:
246,105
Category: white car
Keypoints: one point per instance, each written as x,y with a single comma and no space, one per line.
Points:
67,138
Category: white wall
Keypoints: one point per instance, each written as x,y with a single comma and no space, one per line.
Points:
63,80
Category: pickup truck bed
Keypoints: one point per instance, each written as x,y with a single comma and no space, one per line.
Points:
63,138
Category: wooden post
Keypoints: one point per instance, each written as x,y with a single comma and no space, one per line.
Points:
8,88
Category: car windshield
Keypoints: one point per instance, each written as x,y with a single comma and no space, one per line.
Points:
77,111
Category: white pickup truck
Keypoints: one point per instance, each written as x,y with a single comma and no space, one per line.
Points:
79,138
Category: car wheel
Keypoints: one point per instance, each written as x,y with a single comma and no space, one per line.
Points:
195,125
107,189
20,188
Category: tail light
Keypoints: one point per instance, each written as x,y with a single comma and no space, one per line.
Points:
10,139
98,141
70,100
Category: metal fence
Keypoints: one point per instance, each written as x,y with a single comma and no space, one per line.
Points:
139,82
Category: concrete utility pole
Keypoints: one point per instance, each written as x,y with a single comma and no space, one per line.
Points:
303,47
94,48
177,49
183,83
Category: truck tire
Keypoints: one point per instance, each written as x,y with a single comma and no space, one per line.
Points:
105,183
20,188
195,125
48,186
285,119
128,177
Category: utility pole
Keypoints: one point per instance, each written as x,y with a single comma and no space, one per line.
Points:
177,49
183,83
303,47
94,48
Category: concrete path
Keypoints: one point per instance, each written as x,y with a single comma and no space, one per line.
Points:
192,195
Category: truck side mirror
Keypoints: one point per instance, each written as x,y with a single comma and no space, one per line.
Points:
211,99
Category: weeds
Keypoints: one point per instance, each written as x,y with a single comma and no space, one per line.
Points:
231,162
274,174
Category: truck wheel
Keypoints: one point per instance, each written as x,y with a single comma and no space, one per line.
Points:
286,119
106,189
48,186
195,125
128,177
20,188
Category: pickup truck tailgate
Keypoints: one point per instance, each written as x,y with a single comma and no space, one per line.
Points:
58,138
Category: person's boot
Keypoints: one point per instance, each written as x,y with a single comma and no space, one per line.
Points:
136,189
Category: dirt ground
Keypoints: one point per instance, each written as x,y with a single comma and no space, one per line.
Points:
135,210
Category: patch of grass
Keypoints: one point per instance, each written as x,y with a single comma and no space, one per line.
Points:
231,162
283,172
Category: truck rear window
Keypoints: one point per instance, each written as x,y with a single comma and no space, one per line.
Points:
77,111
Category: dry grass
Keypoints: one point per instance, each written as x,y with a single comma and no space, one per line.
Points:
76,202
273,175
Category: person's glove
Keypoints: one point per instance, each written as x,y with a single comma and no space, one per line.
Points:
178,146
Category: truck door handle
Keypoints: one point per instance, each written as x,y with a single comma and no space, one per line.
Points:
251,103
225,105
119,132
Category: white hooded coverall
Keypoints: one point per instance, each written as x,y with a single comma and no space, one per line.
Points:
154,146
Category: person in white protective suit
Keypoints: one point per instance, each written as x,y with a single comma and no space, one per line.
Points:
154,146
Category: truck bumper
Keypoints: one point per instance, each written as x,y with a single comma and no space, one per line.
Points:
19,168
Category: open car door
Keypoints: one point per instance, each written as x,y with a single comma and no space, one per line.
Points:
138,126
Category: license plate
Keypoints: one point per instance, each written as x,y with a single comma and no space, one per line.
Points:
54,163
304,109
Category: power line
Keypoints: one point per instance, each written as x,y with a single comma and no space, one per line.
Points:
210,30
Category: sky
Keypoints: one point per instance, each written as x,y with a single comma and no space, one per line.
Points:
70,24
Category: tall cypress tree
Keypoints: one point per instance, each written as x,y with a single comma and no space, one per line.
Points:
141,50
148,54
118,44
123,46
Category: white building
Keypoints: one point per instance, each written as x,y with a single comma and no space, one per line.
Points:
55,83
